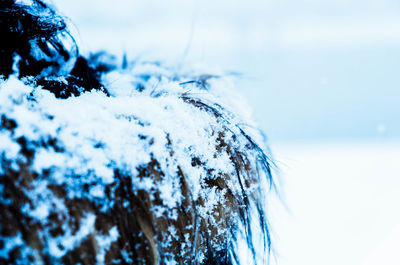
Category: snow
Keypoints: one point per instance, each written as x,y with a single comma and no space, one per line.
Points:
341,200
285,52
82,141
58,246
386,251
104,243
11,243
8,148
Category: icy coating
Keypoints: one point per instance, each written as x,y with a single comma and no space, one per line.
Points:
160,171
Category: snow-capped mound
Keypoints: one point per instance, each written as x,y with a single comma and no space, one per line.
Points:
121,163
157,172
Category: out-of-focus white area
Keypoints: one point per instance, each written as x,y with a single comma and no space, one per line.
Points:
387,251
343,202
323,79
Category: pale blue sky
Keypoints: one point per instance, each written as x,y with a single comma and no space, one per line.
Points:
312,70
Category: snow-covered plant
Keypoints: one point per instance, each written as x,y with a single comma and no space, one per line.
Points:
133,163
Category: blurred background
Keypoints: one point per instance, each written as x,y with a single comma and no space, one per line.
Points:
323,79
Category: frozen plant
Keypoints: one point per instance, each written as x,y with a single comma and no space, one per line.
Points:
121,163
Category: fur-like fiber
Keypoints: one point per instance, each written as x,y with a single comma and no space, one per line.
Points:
164,191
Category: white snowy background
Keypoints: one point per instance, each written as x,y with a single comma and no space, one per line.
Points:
323,79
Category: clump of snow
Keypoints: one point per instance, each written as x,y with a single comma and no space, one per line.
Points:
10,244
58,246
104,242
